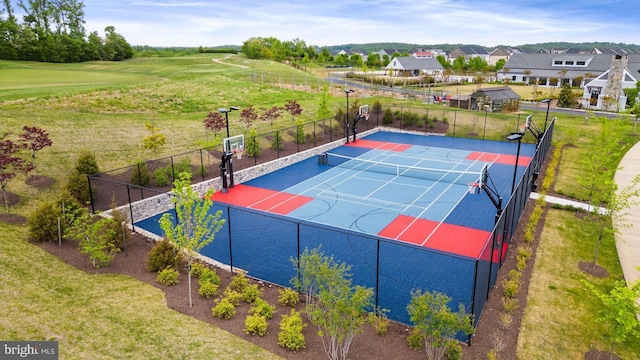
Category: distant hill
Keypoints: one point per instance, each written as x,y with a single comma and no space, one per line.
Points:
405,47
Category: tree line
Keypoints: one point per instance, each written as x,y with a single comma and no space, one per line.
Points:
53,31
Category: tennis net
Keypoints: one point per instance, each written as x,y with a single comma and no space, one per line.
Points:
448,176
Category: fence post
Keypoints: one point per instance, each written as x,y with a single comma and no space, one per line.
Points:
455,116
201,165
130,208
93,209
173,173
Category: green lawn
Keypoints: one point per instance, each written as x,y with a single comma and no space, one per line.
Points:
103,107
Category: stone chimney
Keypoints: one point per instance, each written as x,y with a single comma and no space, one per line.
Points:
613,90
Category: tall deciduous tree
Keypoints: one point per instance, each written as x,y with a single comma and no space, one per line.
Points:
430,313
195,226
271,115
34,140
336,307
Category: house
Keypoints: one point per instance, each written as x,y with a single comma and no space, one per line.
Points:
503,53
469,52
606,91
602,76
494,99
411,66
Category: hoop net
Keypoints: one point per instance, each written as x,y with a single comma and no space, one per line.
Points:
473,187
522,128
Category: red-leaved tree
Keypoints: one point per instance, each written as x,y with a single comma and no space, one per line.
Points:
271,115
214,122
293,108
11,163
248,116
35,139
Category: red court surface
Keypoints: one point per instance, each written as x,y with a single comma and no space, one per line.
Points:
380,145
262,199
446,237
499,158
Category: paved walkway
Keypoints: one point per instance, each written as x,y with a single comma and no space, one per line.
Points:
628,239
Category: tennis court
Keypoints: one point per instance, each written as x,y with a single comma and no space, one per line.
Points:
396,207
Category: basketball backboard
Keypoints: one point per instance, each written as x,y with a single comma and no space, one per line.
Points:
234,143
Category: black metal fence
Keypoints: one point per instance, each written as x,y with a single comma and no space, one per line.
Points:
263,244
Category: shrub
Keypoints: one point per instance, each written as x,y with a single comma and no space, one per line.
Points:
288,297
379,321
78,187
43,223
251,293
290,335
198,268
252,145
514,274
521,263
524,251
120,231
505,321
239,282
510,287
277,142
510,304
262,308
255,324
223,309
163,254
161,177
87,163
208,275
208,290
140,174
184,165
453,350
387,118
300,136
232,296
416,339
168,276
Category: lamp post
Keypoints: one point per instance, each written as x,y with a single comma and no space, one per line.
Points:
227,154
548,102
346,122
513,137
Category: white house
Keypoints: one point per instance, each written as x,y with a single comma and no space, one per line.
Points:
411,66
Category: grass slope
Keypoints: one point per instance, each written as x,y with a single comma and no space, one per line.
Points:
99,316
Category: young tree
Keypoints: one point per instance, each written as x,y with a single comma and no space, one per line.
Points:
619,311
248,116
155,140
271,115
11,163
95,237
324,111
566,98
430,313
34,140
336,307
195,226
613,218
293,108
214,122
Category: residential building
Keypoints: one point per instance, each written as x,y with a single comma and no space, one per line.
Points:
411,66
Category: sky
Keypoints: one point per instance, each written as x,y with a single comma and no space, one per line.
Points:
192,23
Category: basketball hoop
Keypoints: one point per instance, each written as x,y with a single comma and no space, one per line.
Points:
239,152
522,128
365,116
473,187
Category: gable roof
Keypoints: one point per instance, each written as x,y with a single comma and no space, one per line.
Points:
543,65
412,63
496,93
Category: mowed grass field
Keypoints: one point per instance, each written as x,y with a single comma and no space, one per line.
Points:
103,107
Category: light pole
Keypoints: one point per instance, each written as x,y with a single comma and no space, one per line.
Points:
227,154
346,122
513,137
548,102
